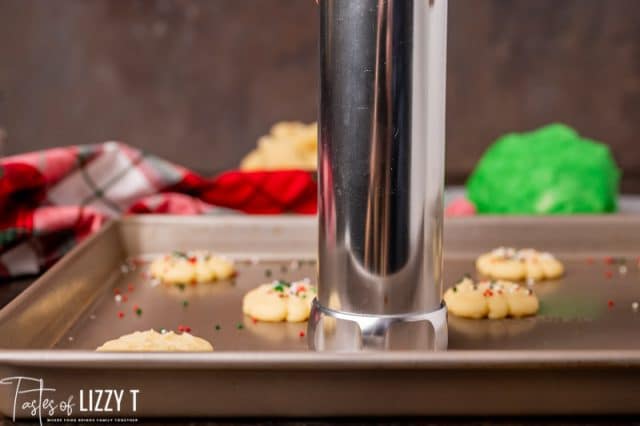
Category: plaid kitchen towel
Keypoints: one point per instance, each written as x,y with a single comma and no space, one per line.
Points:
50,200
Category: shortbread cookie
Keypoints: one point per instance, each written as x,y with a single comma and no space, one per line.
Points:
152,341
492,299
280,301
515,265
191,268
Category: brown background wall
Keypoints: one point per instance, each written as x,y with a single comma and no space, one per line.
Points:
197,81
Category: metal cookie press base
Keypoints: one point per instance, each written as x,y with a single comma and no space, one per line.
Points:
333,330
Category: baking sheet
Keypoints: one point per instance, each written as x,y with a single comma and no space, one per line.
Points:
587,327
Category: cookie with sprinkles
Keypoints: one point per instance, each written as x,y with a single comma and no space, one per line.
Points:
193,267
153,341
490,299
507,263
280,301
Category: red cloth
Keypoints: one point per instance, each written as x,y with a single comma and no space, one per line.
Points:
50,200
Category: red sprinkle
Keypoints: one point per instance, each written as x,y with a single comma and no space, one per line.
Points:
130,288
608,260
610,303
255,321
116,291
608,274
120,314
590,260
487,292
136,307
301,334
184,328
192,260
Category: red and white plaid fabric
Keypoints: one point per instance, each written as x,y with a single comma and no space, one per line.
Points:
50,200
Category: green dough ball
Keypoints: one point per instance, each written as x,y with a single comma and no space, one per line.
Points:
551,170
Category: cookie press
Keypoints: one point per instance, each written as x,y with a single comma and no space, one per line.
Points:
380,173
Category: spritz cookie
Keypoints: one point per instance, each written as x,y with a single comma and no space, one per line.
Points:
191,268
490,299
516,265
153,341
280,301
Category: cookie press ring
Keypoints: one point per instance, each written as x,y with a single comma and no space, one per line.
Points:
380,173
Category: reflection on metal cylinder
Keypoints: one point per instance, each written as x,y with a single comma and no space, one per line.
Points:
381,155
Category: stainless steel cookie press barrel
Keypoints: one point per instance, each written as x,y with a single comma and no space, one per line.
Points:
380,172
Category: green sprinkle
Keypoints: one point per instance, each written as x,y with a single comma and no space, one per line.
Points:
185,303
138,312
179,254
218,327
279,288
182,286
267,273
240,326
455,289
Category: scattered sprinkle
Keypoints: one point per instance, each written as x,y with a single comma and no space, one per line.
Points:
136,307
117,298
116,291
267,273
635,306
181,286
138,312
255,321
184,328
590,260
92,317
455,289
125,298
124,269
530,281
163,331
218,327
623,270
130,288
120,314
610,304
608,274
609,260
185,303
71,338
301,334
239,326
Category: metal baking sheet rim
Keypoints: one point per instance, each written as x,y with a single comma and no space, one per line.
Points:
397,360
